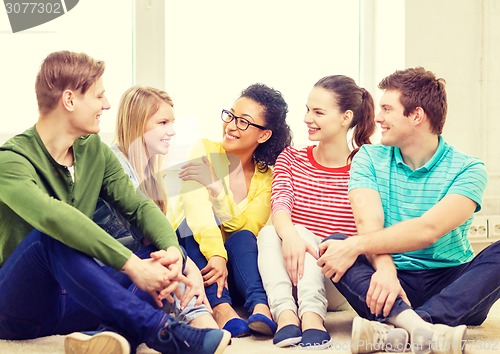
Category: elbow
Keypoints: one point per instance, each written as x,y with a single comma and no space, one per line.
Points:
430,234
48,221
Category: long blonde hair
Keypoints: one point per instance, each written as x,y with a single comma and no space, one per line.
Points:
137,105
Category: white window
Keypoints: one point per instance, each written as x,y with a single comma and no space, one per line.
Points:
215,49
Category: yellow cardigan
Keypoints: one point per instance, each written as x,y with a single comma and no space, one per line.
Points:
198,207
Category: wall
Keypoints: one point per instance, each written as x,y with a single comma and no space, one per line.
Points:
216,49
83,29
150,43
459,41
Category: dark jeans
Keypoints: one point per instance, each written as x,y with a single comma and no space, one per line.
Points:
452,296
48,288
244,279
117,226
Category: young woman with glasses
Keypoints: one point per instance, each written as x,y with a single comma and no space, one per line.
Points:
225,198
310,202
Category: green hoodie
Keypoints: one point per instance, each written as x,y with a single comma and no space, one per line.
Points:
38,193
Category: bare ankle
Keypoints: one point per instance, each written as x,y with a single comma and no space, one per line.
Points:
288,317
262,309
312,320
223,313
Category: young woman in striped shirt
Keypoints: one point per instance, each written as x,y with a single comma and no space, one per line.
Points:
310,202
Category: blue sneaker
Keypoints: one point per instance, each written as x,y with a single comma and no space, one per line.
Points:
99,342
178,338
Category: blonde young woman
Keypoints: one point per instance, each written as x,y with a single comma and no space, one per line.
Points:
144,131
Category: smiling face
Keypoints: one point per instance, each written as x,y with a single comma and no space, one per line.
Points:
238,142
159,129
88,109
323,118
395,126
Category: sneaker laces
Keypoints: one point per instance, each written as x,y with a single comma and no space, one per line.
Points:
176,332
380,335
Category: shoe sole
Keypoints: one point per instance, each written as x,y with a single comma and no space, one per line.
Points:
355,339
288,342
225,341
101,343
260,328
460,338
316,346
457,341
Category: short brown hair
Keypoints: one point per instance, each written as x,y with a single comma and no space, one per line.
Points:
61,71
420,88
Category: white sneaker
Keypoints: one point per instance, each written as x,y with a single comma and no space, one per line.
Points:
372,336
100,343
438,339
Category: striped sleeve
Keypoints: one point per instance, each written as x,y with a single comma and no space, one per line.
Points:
282,193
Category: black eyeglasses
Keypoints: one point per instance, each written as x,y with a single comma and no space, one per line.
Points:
241,123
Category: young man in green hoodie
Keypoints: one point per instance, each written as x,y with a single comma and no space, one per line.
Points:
50,178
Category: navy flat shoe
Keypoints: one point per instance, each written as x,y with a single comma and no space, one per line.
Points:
315,339
287,336
237,327
262,324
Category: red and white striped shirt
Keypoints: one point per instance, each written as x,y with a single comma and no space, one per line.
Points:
314,195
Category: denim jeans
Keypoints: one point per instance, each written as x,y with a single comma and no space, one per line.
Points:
48,288
118,227
456,295
244,282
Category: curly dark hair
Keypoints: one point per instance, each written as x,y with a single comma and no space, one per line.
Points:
275,110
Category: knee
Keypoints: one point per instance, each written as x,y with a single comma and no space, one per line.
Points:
44,241
490,254
494,247
268,236
335,236
241,239
183,230
144,252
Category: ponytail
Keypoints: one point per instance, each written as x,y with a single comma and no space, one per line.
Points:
364,125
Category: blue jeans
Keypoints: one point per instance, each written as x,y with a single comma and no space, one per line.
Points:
244,279
456,295
117,226
48,288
